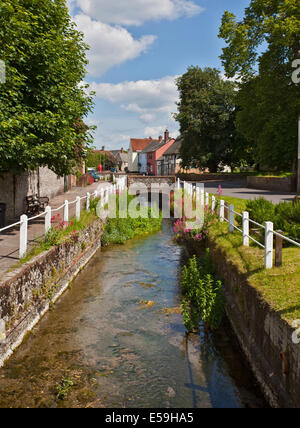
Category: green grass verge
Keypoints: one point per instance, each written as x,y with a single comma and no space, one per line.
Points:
280,287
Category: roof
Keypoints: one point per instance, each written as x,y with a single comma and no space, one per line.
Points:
175,148
153,146
139,145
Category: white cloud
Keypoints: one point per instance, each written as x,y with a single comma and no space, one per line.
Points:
109,45
135,12
143,96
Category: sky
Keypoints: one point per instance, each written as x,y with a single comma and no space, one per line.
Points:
137,50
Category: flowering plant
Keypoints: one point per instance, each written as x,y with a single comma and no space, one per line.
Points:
184,233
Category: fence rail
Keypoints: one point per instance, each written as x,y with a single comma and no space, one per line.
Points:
268,227
24,222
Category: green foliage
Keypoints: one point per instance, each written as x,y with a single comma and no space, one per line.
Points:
41,103
119,230
206,113
285,216
203,298
64,388
261,210
260,49
93,160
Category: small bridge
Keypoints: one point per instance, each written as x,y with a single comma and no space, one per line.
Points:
148,181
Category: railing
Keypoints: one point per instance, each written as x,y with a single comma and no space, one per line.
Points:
103,196
210,201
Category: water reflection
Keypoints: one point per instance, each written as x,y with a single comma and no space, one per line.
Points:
118,334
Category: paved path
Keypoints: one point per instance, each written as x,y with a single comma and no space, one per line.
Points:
9,239
238,190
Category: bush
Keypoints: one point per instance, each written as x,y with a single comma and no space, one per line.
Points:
285,216
261,210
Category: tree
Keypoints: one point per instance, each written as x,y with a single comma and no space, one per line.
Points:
41,102
206,113
260,50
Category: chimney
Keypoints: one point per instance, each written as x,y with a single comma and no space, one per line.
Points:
150,138
103,148
160,138
167,136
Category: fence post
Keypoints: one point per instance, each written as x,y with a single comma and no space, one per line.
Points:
78,208
102,198
278,251
66,212
213,204
231,218
23,236
96,194
269,247
88,201
222,211
47,219
207,200
178,183
246,240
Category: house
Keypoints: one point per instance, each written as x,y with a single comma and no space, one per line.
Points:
135,148
155,150
122,159
169,162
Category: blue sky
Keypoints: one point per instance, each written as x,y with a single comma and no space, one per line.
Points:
138,47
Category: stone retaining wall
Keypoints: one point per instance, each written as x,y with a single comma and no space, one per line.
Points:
284,184
27,293
264,336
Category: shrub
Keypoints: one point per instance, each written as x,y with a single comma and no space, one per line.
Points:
261,210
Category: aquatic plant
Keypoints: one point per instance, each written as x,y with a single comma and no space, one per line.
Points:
203,298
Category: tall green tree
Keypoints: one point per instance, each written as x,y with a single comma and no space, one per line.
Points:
260,50
42,102
206,113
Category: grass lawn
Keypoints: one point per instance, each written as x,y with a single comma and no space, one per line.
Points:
280,287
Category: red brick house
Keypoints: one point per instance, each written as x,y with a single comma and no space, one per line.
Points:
155,150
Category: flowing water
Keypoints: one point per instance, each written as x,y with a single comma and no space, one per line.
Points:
117,339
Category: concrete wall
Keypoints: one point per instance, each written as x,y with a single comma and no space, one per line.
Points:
50,184
285,184
15,188
26,293
264,336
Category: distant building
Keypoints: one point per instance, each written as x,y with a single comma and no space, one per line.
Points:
136,146
169,162
154,151
123,160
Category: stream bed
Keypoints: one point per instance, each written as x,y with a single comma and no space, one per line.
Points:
117,339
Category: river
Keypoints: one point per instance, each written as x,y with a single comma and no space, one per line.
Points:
118,340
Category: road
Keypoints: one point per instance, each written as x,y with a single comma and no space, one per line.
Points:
238,190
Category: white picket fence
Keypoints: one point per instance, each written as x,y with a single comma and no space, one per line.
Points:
103,195
211,202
